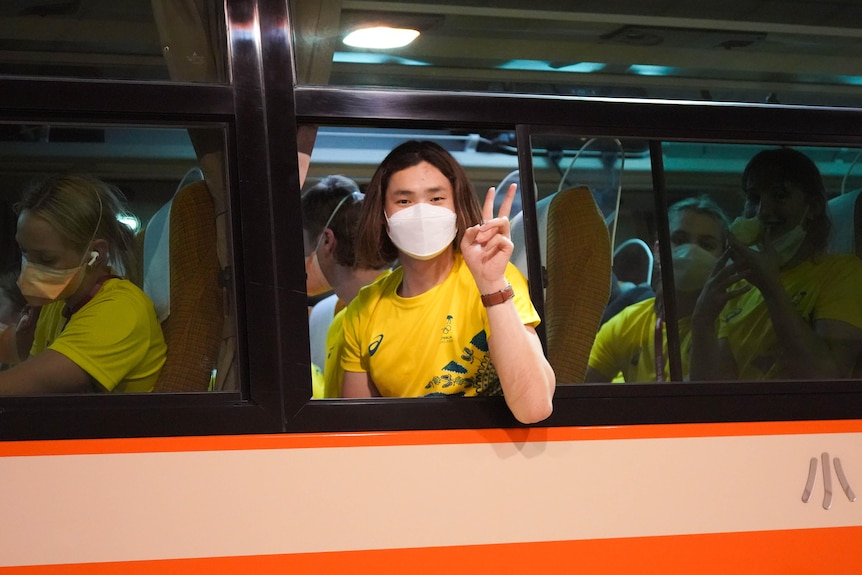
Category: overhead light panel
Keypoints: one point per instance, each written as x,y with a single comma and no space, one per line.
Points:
381,37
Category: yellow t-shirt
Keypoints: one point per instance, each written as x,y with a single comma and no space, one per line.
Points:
827,287
333,373
433,344
317,382
626,344
115,337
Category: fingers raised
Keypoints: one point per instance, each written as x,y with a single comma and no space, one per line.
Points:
505,207
488,207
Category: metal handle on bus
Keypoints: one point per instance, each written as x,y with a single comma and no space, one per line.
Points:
842,479
827,481
809,485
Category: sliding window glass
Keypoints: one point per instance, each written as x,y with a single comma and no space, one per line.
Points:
142,216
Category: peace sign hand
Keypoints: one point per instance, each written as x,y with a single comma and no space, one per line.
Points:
488,246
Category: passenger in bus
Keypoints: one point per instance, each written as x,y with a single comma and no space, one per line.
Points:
455,318
786,309
330,215
96,331
626,344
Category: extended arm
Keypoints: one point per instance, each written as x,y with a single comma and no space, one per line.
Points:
526,377
826,350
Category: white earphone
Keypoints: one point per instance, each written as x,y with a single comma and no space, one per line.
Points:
94,255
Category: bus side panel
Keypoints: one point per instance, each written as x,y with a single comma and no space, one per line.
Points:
356,498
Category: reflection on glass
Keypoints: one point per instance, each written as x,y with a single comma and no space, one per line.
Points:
776,297
784,307
632,345
163,246
158,40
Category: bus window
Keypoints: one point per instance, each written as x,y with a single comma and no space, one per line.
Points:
785,306
613,256
176,250
162,40
489,161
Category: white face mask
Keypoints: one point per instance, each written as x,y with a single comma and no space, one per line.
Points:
786,245
422,231
750,232
691,266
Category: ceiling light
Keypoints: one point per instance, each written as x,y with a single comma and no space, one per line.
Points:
381,37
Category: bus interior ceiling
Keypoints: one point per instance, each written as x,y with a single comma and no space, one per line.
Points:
789,51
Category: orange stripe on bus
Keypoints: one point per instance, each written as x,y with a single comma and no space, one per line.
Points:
833,551
432,437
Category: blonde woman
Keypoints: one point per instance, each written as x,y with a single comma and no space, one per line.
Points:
91,329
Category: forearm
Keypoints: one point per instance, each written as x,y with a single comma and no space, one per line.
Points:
596,376
358,384
708,362
47,372
804,354
526,377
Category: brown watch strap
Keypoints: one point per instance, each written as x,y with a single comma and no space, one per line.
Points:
498,297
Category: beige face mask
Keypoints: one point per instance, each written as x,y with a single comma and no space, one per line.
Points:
41,285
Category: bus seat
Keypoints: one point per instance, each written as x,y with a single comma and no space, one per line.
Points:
516,230
633,262
579,280
193,317
845,213
574,247
845,237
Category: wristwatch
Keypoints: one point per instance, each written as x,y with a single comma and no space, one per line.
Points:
498,297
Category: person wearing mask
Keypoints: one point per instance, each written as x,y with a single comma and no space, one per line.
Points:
95,331
627,343
455,318
332,248
785,308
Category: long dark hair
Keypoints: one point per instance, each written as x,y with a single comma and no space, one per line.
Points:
786,166
374,248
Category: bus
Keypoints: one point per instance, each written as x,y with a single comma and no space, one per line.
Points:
231,466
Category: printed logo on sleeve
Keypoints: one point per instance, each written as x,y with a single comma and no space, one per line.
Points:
375,343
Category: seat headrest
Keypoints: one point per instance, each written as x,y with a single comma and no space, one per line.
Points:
156,256
516,228
157,261
842,214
